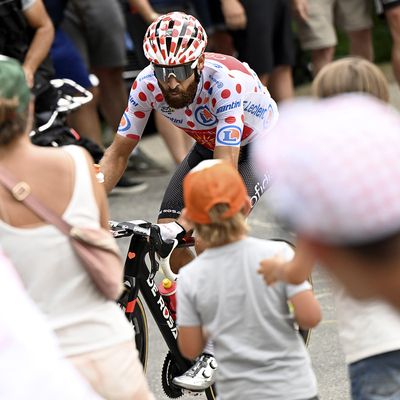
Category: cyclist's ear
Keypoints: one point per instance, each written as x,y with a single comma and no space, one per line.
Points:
200,63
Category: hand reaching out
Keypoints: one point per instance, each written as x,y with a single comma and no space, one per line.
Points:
234,14
300,8
271,269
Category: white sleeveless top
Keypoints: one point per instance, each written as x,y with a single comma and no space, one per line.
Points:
82,318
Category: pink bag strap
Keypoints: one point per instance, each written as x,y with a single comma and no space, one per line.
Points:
22,192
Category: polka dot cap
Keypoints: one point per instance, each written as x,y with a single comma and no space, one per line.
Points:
337,168
173,39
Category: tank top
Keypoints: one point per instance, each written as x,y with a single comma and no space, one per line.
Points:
82,318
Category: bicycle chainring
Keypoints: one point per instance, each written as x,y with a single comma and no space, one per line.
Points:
169,371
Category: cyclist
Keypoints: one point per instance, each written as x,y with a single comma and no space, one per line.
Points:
214,98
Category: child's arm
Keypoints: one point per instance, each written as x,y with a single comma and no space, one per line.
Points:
192,340
294,271
307,311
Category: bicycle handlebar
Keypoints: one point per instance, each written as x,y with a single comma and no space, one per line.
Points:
164,248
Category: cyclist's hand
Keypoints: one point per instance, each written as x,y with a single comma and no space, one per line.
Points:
270,268
172,230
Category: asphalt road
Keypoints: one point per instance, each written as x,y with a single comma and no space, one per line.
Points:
325,349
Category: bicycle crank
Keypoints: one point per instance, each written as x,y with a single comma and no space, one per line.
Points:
169,371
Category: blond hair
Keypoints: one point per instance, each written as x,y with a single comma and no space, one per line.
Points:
222,231
12,124
351,74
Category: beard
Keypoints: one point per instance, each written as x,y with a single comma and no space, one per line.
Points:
184,98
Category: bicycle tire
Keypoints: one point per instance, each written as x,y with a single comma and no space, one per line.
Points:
139,324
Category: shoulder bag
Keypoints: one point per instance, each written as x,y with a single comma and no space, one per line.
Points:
96,248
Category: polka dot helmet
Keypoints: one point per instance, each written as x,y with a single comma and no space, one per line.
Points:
173,39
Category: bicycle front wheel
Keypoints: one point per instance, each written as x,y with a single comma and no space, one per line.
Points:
139,324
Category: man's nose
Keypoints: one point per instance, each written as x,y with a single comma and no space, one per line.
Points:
172,82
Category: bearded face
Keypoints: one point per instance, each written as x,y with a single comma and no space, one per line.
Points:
179,97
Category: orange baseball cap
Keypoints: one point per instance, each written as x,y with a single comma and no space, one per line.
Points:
212,182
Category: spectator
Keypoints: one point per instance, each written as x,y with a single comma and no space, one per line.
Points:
263,37
390,9
26,33
32,356
68,63
97,28
92,331
374,359
337,188
221,297
316,28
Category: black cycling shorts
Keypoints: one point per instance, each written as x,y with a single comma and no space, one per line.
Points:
256,182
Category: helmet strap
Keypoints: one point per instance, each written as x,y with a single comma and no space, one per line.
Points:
197,75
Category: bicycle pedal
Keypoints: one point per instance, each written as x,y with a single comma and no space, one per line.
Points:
192,393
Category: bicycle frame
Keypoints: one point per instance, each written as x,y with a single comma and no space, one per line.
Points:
142,279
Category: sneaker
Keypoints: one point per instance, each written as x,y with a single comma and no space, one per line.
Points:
200,376
126,185
141,163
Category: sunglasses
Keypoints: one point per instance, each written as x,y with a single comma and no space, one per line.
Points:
180,72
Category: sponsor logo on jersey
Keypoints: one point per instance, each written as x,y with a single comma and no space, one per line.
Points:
214,64
146,77
204,116
174,120
256,109
269,117
124,124
166,109
219,83
133,101
229,135
227,107
205,137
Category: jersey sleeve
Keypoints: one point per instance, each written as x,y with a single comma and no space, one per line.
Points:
229,112
140,105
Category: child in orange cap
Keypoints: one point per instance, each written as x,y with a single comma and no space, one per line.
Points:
222,297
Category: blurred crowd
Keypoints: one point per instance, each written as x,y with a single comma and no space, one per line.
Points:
98,44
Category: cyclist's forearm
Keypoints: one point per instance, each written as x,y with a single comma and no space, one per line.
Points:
228,153
112,171
115,159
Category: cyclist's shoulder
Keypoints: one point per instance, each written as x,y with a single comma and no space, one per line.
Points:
144,78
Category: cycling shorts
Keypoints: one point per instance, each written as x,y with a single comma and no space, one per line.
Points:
256,181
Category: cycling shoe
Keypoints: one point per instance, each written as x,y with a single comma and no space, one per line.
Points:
200,376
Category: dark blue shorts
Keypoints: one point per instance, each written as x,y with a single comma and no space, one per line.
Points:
67,61
376,378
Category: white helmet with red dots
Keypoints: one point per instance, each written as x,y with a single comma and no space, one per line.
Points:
173,39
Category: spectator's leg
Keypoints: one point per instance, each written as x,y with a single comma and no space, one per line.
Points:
361,44
279,83
393,18
321,57
113,94
86,119
177,141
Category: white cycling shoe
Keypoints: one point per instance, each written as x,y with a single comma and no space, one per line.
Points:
200,376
